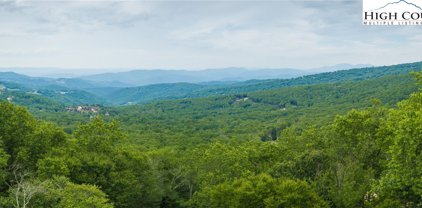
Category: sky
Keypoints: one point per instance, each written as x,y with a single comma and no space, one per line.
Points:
192,35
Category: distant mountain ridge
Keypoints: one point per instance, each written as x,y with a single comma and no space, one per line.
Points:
73,91
51,72
179,90
161,76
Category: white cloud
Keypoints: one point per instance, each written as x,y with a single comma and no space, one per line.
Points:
196,34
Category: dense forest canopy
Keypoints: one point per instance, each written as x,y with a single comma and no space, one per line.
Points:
327,144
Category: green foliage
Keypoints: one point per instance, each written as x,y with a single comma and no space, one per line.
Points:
95,156
60,192
4,157
254,115
258,191
273,148
82,196
418,76
402,179
36,103
98,136
25,139
15,128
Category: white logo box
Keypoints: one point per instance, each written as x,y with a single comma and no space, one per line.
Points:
392,12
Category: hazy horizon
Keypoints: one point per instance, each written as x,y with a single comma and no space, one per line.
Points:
56,72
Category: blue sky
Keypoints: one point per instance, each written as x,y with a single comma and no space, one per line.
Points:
197,35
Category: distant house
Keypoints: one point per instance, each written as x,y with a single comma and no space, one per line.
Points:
70,109
34,92
84,109
242,99
95,109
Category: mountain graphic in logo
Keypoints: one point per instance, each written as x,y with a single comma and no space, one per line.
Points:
398,2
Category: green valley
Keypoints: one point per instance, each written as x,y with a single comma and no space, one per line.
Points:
335,139
210,104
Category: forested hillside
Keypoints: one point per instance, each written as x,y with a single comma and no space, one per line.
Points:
49,99
340,144
180,90
246,116
112,92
